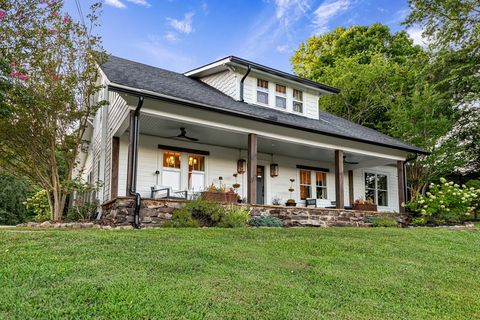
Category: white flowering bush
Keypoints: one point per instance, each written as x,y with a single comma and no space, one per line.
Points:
446,202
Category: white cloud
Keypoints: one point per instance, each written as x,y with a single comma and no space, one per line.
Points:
140,2
182,26
282,48
416,34
289,11
205,8
270,29
326,11
164,56
116,4
119,4
171,36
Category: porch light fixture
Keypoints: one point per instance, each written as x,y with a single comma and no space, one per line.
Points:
241,165
273,169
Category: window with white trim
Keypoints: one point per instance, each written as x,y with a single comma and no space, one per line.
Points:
307,189
376,188
280,96
262,91
297,101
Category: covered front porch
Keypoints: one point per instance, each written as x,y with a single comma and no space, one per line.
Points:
268,160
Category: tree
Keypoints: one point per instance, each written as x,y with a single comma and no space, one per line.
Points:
453,31
50,78
13,193
386,83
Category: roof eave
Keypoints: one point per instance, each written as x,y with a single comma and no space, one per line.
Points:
154,95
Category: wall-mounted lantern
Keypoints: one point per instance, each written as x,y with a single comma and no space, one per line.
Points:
241,166
273,168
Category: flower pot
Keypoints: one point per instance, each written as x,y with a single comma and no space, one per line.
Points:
228,197
291,204
364,207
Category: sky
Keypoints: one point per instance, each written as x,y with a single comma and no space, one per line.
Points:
180,35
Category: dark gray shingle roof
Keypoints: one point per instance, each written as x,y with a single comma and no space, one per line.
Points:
144,77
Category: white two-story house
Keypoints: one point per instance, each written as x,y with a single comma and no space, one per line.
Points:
187,131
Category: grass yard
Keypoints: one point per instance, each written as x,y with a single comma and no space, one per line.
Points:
337,273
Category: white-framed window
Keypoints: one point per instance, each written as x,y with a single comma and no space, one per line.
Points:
171,173
262,91
196,172
310,190
321,184
280,96
376,188
297,101
305,184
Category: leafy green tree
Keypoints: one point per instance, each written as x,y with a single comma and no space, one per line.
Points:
453,31
51,92
13,193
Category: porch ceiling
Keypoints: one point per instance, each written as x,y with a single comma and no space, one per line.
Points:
166,128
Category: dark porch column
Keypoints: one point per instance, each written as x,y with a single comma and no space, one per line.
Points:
252,169
114,174
350,187
401,185
339,192
130,145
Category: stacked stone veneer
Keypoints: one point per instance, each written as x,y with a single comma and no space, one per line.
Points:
119,212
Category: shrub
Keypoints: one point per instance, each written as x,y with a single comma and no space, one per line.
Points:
207,213
38,203
383,221
13,193
182,218
445,203
473,183
235,217
266,221
81,212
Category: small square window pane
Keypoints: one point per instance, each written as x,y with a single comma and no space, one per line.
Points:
382,198
321,193
262,83
321,179
304,192
297,106
381,182
305,177
370,194
280,102
369,180
262,97
297,95
281,89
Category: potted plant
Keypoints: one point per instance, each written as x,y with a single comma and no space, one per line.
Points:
236,185
219,194
364,205
291,202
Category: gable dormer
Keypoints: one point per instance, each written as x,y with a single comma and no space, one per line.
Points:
259,85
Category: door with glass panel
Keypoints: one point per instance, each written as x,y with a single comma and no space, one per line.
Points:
196,172
171,171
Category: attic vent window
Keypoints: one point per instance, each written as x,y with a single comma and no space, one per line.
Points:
262,91
297,101
281,96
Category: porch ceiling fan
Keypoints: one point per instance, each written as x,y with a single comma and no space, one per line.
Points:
183,135
349,162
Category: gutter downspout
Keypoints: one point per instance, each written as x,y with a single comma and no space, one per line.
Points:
249,68
405,186
134,127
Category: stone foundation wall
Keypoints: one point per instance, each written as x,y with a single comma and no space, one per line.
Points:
154,213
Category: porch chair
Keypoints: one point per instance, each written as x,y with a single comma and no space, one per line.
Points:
167,192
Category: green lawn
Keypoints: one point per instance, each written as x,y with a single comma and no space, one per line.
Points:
337,273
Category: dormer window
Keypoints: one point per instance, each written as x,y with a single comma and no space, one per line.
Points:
262,91
280,96
297,101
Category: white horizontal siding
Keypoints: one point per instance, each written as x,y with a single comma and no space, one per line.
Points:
222,162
